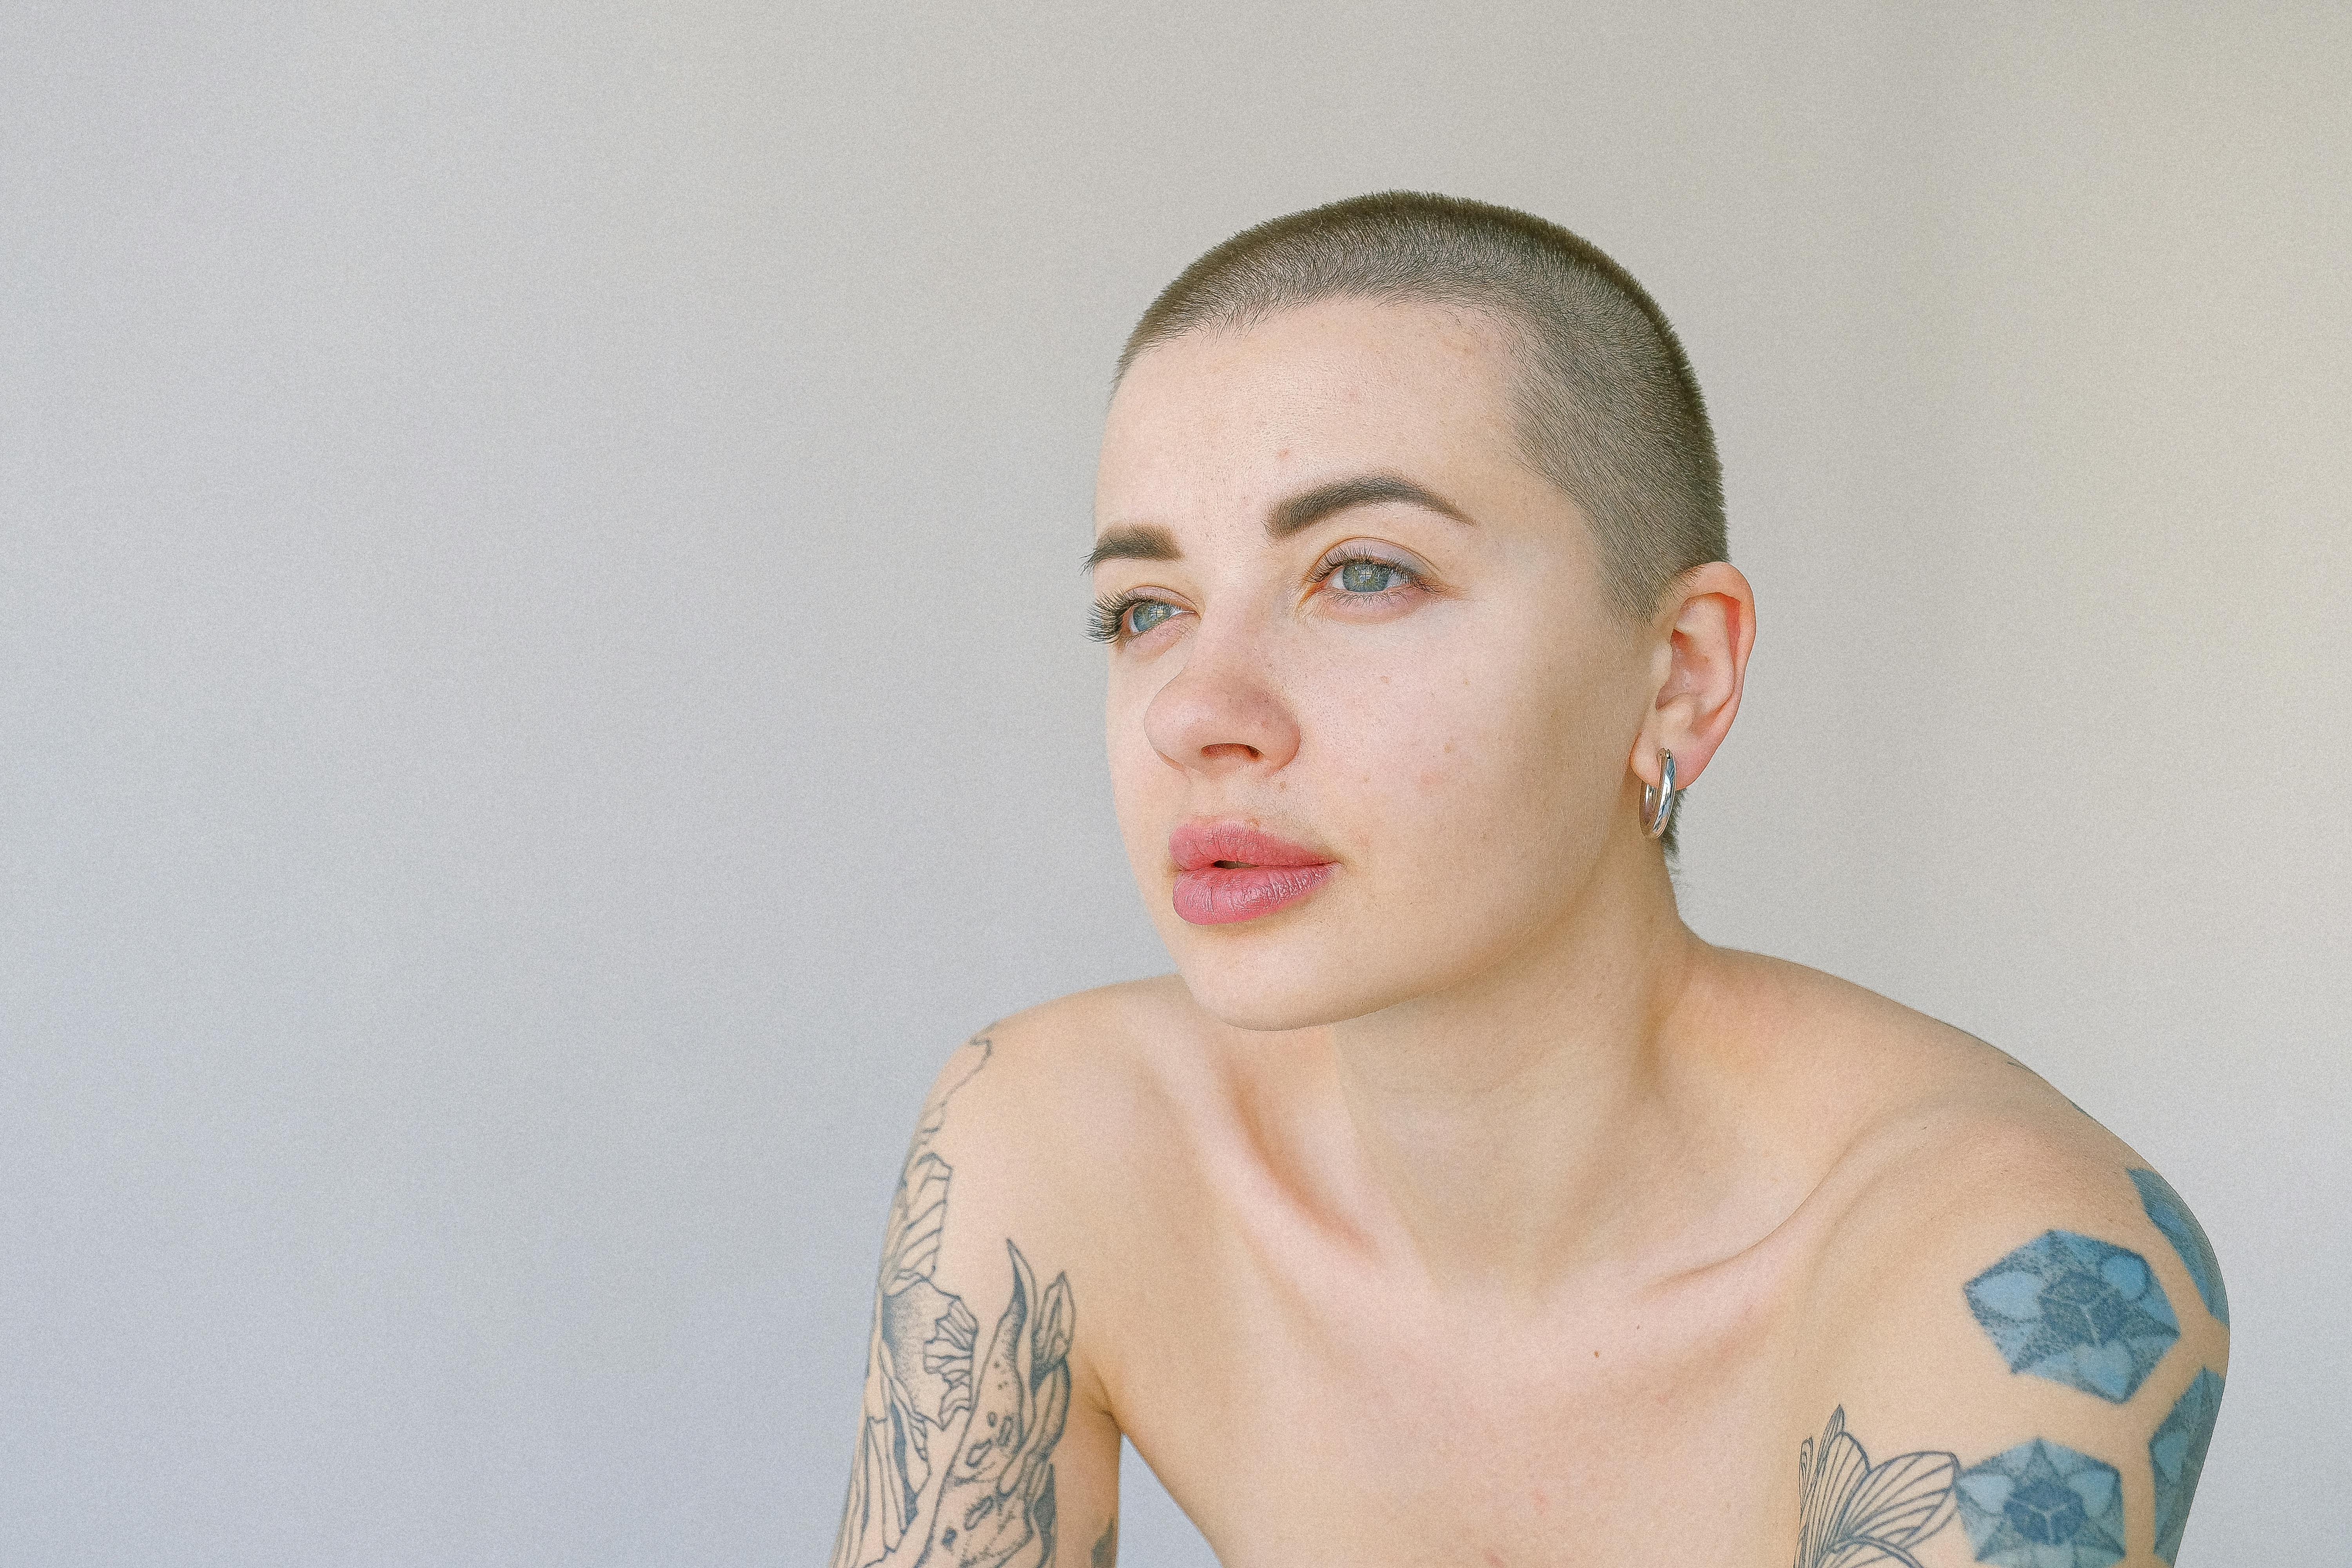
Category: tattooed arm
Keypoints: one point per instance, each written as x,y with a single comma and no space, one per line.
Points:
2025,1372
970,1451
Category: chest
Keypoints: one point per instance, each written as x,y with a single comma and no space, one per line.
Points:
1338,1426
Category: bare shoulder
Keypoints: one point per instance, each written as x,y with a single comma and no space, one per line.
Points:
1075,1079
1067,1120
986,1427
2001,1294
1106,1030
1017,1143
1946,1144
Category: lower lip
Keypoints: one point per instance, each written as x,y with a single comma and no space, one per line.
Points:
1220,895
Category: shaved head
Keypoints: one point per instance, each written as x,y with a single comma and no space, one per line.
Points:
1608,408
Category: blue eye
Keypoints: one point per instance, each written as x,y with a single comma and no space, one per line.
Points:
1368,576
1114,618
1145,614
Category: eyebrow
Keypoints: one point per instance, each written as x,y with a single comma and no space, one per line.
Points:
1148,542
1142,542
1310,507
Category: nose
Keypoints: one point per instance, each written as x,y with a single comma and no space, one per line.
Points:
1224,710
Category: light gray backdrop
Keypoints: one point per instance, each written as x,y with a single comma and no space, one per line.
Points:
542,688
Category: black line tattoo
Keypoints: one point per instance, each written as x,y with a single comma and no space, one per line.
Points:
1852,1513
954,1466
1106,1552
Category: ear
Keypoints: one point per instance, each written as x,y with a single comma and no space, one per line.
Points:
1703,632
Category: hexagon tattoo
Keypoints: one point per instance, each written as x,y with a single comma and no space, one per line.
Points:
2043,1505
2177,1454
2170,1215
2076,1311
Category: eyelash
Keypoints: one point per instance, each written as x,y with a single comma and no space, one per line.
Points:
1106,618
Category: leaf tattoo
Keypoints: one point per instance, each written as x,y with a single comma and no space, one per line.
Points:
954,1456
1853,1513
992,1506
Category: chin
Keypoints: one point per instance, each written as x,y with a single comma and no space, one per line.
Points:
1279,976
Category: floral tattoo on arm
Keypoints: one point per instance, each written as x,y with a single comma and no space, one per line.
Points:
954,1465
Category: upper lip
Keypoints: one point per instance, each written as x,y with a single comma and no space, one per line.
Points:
1195,844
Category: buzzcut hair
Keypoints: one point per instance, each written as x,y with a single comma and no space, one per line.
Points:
1608,408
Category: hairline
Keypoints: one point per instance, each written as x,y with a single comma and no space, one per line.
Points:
1521,338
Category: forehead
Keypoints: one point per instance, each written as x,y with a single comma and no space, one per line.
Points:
1220,414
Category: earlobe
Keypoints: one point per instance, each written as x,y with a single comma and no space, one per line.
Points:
1706,629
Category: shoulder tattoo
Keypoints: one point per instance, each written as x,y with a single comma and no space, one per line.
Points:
1851,1511
2076,1311
954,1464
2079,1311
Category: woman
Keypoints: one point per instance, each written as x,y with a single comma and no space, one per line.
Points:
1454,1202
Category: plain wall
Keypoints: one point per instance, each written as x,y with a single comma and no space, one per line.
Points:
542,688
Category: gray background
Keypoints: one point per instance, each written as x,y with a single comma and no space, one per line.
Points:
542,691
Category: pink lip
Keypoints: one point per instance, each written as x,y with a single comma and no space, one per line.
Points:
1261,874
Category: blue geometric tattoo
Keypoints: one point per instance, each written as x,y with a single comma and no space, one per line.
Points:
2077,1311
2176,1452
2043,1505
2171,1216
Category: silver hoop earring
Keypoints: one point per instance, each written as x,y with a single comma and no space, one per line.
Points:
1659,800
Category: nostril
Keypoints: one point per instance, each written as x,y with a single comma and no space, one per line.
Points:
1211,716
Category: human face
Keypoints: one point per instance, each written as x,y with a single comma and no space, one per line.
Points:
1424,695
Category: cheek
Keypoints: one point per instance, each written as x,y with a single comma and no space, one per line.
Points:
1510,757
1143,786
1442,734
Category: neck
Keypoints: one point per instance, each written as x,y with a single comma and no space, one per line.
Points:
1537,1122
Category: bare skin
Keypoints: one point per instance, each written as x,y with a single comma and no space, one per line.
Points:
1473,1209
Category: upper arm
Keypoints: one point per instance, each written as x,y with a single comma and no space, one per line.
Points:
2024,1370
980,1442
